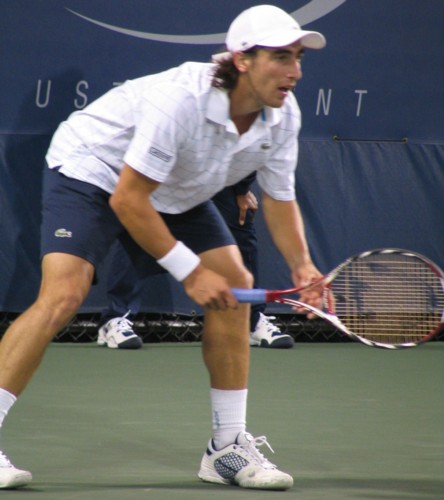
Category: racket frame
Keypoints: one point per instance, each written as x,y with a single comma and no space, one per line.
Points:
268,296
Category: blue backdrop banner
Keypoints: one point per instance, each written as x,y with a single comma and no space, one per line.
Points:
371,166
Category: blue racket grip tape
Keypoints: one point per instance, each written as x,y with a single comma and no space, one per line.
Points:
253,296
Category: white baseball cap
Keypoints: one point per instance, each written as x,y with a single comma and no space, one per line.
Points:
266,26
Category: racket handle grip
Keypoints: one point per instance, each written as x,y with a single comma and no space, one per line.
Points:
253,296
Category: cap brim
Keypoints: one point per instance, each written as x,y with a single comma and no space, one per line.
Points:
308,39
313,40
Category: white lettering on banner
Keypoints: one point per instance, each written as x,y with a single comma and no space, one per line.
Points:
360,94
80,104
42,99
38,101
325,102
81,98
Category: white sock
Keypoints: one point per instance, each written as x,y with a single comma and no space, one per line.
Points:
6,401
229,411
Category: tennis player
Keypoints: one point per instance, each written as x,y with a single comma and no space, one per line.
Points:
140,164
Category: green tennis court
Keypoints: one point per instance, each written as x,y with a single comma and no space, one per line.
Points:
346,420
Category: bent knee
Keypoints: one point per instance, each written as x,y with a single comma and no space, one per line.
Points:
227,261
62,305
243,279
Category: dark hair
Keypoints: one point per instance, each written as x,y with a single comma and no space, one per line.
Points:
226,74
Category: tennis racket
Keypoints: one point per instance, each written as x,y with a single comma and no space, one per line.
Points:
388,298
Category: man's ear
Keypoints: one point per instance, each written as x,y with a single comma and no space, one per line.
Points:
241,61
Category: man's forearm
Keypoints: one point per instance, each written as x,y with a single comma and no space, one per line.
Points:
286,226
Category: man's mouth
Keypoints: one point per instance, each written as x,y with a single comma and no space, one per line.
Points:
285,90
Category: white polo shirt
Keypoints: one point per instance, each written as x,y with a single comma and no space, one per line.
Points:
175,128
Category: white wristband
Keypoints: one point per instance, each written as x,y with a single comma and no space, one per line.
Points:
180,261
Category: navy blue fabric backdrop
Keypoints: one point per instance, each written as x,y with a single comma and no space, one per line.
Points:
371,166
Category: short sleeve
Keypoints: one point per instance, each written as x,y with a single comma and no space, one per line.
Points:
163,118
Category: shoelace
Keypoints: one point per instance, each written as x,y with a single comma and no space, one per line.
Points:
271,328
4,460
124,325
251,447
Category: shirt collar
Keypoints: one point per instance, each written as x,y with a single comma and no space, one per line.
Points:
219,103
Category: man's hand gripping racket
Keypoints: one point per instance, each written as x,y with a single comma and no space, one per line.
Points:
387,298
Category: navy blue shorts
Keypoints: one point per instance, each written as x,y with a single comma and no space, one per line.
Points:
78,220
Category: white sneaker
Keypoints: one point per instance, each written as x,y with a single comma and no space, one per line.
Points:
268,335
118,333
10,477
242,464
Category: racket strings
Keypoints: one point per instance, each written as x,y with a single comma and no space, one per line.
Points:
392,299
